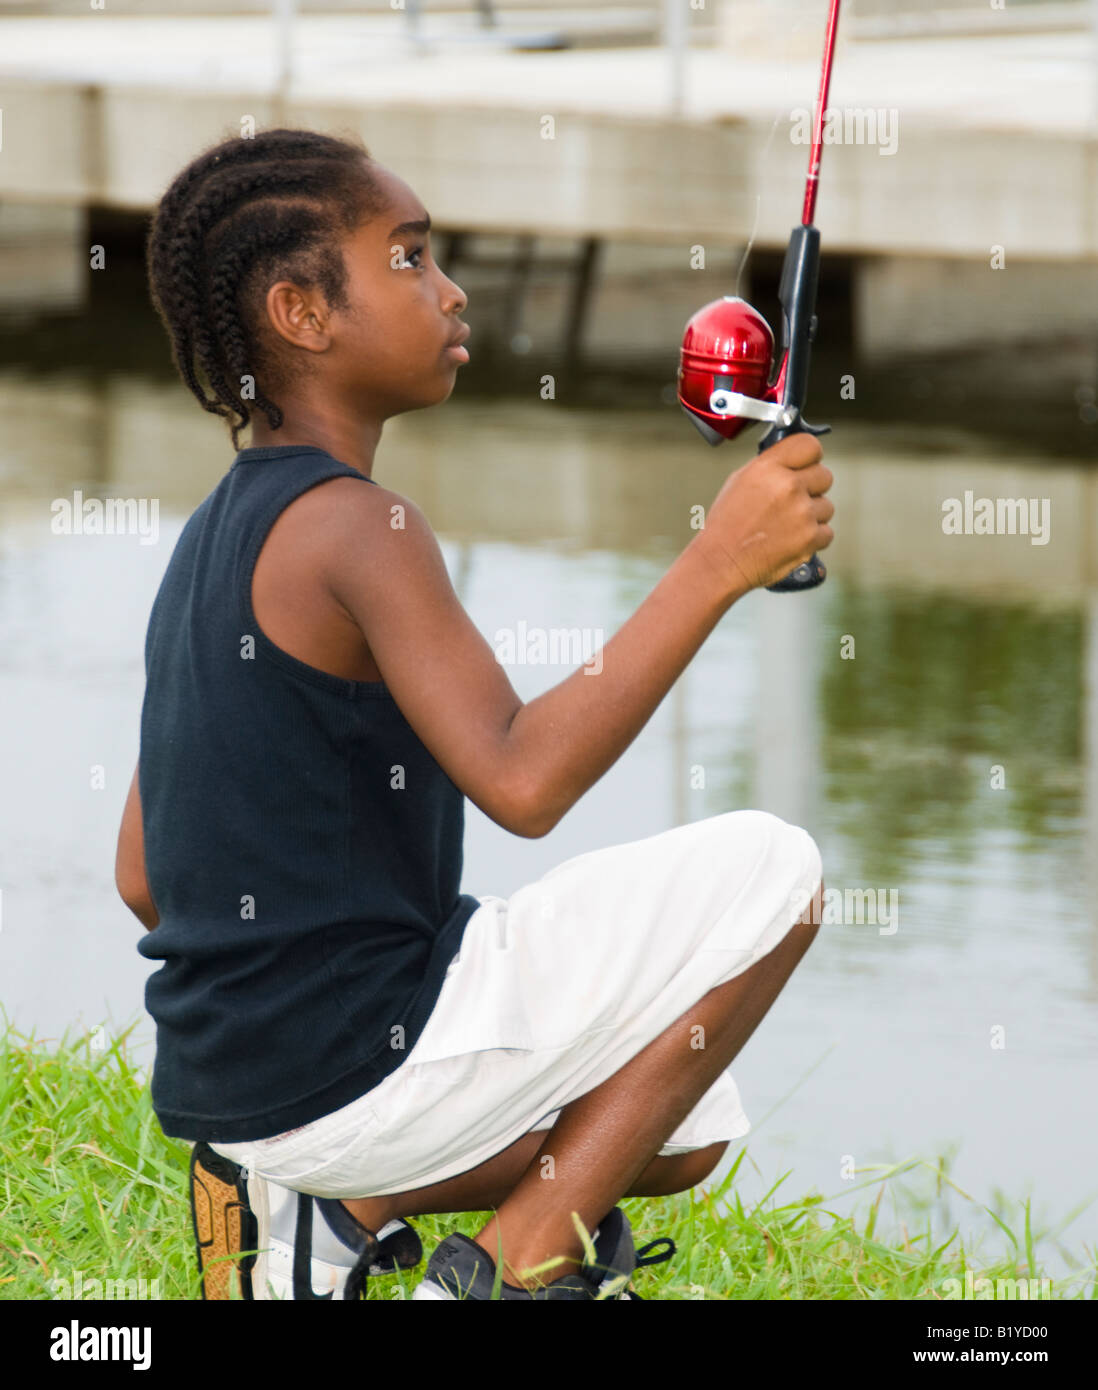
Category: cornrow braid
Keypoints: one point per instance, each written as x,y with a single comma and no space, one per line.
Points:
245,213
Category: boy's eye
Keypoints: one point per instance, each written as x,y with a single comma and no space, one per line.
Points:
412,257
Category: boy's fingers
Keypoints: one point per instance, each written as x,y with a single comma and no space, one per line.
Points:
799,450
817,479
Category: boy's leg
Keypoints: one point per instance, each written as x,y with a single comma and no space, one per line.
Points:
603,1141
605,1145
488,1186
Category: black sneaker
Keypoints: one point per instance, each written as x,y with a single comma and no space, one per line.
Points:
616,1258
460,1269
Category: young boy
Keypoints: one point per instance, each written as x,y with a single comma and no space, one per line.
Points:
333,1014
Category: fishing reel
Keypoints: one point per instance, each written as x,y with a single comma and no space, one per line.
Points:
726,363
725,366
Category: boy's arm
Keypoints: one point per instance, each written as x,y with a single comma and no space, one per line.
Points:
129,864
524,765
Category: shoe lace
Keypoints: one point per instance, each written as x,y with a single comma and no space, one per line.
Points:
360,1271
355,1287
646,1256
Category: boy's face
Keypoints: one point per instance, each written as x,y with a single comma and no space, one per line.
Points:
391,350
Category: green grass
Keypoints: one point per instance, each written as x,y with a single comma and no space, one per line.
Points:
91,1183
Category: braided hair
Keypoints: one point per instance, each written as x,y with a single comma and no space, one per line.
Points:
244,214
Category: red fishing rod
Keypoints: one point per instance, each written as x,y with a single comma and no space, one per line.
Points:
727,351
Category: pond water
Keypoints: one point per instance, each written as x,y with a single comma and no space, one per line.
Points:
929,715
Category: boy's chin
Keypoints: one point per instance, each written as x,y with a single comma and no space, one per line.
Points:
443,392
424,402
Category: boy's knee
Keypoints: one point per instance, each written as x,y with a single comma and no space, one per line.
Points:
799,856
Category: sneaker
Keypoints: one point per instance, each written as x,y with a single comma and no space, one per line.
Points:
318,1250
460,1269
244,1225
616,1258
229,1216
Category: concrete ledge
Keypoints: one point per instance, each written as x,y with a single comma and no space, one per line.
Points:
995,152
613,177
1067,16
633,178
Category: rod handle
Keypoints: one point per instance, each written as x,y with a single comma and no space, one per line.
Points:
813,572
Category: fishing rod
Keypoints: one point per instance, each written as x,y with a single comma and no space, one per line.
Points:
727,350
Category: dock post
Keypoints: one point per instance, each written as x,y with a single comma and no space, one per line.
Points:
580,300
517,284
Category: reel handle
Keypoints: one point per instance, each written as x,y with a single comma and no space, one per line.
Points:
812,573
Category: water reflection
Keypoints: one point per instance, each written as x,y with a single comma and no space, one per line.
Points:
971,686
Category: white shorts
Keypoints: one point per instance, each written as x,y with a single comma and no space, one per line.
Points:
553,991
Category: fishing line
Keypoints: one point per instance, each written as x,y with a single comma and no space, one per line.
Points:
762,164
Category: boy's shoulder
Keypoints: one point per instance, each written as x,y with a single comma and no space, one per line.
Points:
347,506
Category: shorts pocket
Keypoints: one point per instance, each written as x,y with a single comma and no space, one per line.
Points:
295,1166
480,1006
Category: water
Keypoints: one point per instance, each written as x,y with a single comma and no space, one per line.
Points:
968,1031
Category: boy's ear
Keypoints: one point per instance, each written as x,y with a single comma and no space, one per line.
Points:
299,316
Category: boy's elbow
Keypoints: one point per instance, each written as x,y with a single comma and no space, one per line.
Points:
136,897
532,829
532,816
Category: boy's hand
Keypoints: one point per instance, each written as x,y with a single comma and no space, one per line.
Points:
770,515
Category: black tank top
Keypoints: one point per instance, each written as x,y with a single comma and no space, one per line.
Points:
302,846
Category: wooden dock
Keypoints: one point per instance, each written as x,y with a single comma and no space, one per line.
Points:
944,147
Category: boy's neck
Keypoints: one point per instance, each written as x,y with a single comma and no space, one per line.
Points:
352,442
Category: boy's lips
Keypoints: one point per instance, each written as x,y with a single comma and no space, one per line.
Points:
455,343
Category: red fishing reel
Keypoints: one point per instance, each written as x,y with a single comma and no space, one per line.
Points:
724,371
